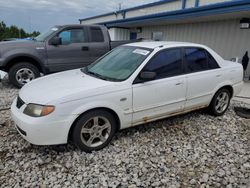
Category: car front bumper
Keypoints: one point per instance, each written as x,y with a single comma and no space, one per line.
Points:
49,130
2,74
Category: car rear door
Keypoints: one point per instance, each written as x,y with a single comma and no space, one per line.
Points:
72,53
165,94
203,75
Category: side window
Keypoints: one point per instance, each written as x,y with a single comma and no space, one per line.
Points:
212,63
72,36
196,59
166,63
96,34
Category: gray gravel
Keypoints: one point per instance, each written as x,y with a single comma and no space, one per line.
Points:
192,150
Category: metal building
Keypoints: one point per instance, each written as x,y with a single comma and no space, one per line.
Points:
224,25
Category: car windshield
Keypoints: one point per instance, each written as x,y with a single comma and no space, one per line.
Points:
42,37
118,64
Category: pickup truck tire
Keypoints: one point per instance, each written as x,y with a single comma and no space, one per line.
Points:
94,130
22,73
220,102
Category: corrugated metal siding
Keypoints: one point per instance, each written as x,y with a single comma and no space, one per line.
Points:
206,2
119,34
171,6
190,3
122,34
112,33
225,37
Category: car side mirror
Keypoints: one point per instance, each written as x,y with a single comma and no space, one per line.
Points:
56,41
147,75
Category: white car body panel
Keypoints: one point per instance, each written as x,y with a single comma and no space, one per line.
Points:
73,93
159,97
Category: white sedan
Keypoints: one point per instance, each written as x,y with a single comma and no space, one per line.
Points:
131,85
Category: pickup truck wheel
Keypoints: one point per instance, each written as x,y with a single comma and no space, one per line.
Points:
94,130
220,102
23,73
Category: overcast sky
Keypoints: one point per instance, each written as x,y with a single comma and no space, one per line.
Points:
41,14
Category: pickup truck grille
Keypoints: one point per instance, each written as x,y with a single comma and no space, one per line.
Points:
19,102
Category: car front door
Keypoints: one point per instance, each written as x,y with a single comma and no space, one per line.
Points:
72,53
165,94
203,75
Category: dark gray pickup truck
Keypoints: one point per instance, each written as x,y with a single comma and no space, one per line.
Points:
61,48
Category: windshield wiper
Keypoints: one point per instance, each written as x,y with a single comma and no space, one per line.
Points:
85,70
97,75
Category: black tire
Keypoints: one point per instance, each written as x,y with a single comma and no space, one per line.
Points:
19,66
212,107
86,120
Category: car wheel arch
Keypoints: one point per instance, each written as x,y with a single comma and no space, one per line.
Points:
93,109
23,58
228,87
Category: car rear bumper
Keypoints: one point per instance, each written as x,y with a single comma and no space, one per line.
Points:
237,88
42,130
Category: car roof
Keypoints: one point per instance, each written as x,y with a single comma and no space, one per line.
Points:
172,44
156,44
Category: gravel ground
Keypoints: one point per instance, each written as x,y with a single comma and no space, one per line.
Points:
192,150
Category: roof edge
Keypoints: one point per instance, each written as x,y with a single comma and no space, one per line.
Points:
232,6
129,9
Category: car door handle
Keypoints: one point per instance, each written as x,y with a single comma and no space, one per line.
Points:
179,83
85,48
218,75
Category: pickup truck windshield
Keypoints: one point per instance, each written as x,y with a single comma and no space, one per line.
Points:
119,64
42,37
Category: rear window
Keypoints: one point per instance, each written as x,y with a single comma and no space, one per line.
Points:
212,63
96,34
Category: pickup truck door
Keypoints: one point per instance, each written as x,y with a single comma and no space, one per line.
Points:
74,52
99,44
166,94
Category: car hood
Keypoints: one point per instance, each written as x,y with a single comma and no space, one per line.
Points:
62,86
7,46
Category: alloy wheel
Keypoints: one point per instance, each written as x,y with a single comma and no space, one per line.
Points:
95,131
222,102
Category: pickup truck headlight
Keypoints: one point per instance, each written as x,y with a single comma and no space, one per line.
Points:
36,110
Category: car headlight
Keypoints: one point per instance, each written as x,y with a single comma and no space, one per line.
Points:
36,110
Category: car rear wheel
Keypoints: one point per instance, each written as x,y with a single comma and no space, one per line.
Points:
94,130
220,102
22,73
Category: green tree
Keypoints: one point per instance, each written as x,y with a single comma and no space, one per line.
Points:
14,32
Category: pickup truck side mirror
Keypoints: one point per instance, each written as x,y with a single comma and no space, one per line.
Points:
56,41
147,75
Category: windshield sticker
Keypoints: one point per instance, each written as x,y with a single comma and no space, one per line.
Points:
141,52
54,29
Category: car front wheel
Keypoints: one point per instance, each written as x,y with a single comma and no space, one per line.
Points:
22,73
94,130
220,102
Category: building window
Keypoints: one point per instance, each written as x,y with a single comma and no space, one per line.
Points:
133,35
157,36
